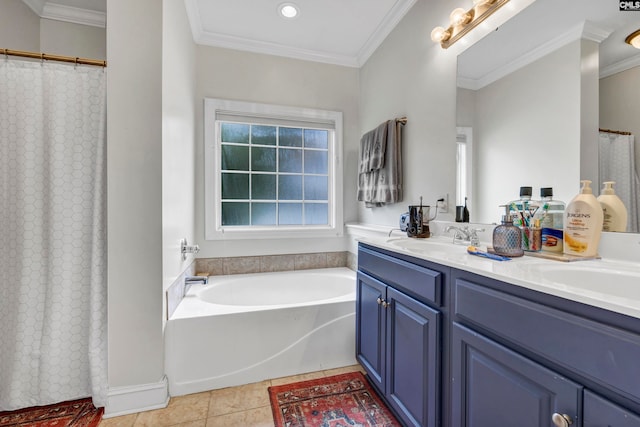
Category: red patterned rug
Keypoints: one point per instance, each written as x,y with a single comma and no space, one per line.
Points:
345,400
75,413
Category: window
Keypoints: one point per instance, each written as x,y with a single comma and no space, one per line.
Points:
271,171
464,171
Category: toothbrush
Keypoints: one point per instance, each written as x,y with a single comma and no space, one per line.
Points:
475,251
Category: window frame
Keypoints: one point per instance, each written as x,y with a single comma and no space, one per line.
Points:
332,120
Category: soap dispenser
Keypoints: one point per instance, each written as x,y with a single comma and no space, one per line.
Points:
507,238
583,220
615,214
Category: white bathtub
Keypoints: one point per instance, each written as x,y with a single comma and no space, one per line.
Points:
246,328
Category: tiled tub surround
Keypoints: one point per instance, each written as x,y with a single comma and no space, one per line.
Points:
256,264
270,263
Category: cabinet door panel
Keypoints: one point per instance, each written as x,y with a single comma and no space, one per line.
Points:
599,412
413,376
494,386
370,328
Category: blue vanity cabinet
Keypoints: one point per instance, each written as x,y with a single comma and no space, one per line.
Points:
494,386
399,333
520,356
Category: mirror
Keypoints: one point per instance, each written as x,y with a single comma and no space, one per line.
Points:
529,91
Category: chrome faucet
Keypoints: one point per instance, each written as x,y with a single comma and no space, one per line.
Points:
465,235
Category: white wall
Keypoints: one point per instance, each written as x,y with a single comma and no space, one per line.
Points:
66,38
620,104
245,76
134,181
19,27
527,123
178,138
411,76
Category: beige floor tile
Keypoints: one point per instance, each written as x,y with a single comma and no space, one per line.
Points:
258,417
122,421
298,378
236,399
197,423
345,370
181,410
190,399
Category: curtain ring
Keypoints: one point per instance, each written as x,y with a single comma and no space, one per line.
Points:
76,63
42,59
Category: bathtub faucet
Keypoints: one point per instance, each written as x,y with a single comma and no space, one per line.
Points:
194,280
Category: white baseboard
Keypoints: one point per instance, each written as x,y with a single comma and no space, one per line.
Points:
137,398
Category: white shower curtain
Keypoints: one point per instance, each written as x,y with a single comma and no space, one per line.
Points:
52,240
617,163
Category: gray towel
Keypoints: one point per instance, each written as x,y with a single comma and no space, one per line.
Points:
382,186
373,145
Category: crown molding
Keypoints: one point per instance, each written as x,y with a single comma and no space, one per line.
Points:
620,66
387,25
586,30
36,5
59,12
268,48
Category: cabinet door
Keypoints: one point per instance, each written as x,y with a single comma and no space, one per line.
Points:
599,412
413,373
370,318
494,386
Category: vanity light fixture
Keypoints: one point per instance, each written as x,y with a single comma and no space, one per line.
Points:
634,39
288,10
462,21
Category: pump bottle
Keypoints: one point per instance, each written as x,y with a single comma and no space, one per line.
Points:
507,238
583,220
615,213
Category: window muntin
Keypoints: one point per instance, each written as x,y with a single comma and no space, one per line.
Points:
269,182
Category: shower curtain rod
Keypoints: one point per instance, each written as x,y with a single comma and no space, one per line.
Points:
617,132
49,57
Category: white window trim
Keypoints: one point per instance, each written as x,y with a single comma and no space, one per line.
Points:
464,171
212,169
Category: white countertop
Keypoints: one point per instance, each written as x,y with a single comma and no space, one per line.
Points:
602,283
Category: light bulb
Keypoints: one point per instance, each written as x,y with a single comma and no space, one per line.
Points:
459,16
439,34
288,10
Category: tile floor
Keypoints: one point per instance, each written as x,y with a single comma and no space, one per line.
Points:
243,406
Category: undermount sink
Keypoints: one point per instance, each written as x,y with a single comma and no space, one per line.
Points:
428,245
615,282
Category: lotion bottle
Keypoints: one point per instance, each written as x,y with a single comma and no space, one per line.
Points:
583,223
615,214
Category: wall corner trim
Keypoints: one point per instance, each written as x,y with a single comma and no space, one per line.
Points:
137,398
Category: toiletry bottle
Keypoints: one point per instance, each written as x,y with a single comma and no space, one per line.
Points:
583,223
522,209
507,238
551,215
465,212
615,214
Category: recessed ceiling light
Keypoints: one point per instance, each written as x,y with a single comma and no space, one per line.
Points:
288,10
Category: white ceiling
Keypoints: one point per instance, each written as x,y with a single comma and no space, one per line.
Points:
347,32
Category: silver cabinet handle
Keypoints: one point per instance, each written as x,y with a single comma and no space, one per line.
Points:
382,302
561,420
